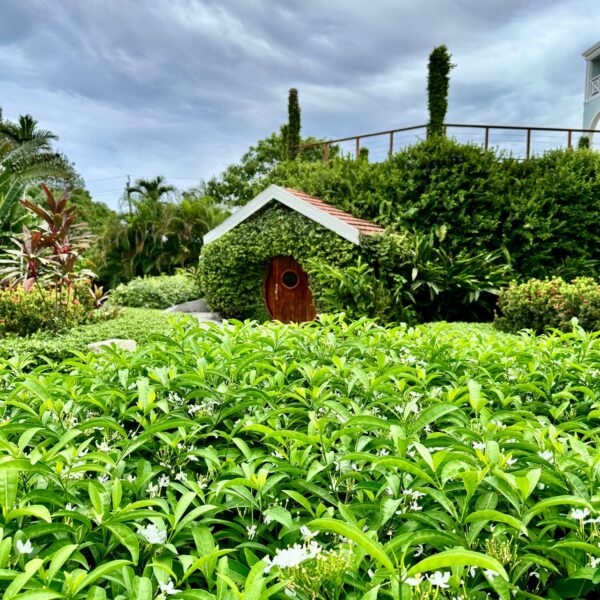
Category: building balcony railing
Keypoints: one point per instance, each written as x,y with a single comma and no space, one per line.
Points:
594,89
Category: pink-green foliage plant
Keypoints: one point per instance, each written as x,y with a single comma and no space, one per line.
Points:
552,303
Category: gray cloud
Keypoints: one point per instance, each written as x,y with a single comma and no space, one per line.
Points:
183,87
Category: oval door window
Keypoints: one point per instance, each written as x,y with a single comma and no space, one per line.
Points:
290,279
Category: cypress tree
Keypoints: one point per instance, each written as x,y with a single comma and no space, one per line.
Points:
292,132
438,82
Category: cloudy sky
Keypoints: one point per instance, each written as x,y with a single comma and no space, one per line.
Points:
183,87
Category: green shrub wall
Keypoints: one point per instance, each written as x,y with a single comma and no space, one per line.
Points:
233,268
544,211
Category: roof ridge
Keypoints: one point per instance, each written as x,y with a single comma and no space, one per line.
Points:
369,226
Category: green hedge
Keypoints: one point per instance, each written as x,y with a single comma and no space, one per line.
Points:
233,268
157,292
541,305
132,323
543,210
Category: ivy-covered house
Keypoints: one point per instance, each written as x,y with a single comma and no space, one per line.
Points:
257,263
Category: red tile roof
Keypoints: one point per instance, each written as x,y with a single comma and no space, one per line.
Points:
365,227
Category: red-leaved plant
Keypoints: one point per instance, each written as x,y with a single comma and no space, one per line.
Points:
50,256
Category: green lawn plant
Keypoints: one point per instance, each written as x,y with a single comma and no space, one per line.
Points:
329,460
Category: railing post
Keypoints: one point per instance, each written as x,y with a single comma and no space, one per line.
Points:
528,141
391,148
487,138
326,152
357,148
570,139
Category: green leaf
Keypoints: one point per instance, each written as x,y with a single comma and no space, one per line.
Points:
458,557
552,502
101,571
494,515
374,549
9,480
58,560
19,581
127,538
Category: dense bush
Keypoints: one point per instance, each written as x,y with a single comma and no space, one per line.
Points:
157,292
130,323
553,217
541,305
543,210
25,312
412,278
334,461
233,268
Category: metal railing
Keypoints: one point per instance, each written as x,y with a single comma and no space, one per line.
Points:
594,89
519,141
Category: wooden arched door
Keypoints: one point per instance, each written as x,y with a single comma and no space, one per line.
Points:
287,294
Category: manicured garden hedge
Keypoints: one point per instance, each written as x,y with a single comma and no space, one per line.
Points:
157,292
328,461
131,323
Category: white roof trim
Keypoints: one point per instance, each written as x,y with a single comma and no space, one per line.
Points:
274,192
592,52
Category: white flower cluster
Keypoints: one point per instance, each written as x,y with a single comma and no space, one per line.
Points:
293,556
579,514
168,588
152,534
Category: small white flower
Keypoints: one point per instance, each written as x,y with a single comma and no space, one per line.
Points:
579,514
251,531
307,534
490,574
103,478
24,548
383,452
152,534
168,588
594,561
418,551
479,445
163,481
511,461
131,478
440,579
181,476
414,581
546,455
103,447
472,571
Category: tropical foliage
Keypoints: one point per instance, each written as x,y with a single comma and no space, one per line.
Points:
27,158
45,276
543,210
412,278
329,461
160,231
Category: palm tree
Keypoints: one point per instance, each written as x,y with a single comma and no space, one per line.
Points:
26,130
26,158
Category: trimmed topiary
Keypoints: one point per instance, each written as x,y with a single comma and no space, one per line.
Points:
233,268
